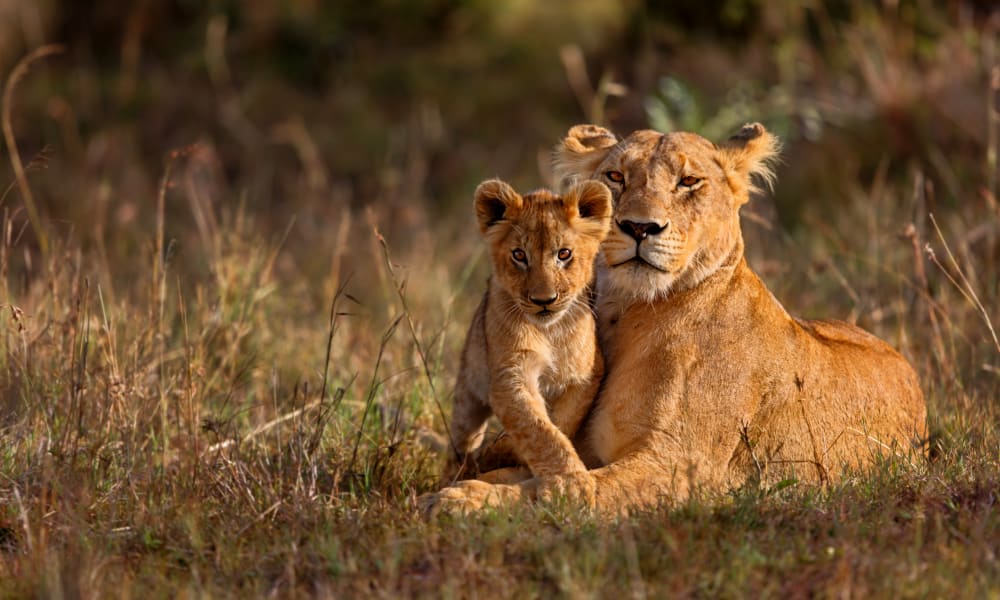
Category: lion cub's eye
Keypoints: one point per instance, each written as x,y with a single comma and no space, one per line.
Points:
689,181
519,255
615,176
564,254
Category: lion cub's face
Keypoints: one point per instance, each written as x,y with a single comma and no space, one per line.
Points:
542,245
676,200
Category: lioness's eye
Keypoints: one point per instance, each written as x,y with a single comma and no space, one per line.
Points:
564,254
519,255
689,181
615,176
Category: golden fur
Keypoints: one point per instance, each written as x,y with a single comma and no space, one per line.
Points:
710,383
531,354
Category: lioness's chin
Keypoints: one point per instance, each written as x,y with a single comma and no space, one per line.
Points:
639,281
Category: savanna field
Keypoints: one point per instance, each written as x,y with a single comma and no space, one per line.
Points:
238,258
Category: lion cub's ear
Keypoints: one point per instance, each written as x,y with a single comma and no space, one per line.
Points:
578,155
588,207
495,201
750,153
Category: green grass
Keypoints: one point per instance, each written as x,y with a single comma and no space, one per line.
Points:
236,384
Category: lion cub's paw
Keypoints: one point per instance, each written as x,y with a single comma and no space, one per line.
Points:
465,497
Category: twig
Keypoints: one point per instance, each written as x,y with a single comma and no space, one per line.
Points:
262,428
25,523
40,161
318,432
992,113
924,293
745,438
80,371
372,389
273,509
329,340
880,443
413,334
968,291
19,72
821,469
159,297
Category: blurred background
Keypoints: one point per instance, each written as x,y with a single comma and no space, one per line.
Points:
284,133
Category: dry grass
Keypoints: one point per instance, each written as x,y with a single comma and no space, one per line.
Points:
204,394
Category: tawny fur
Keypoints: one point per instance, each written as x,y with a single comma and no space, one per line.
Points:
710,382
535,365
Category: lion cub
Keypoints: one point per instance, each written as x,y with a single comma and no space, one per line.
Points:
531,354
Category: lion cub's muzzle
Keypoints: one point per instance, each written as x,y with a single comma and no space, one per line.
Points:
545,308
544,302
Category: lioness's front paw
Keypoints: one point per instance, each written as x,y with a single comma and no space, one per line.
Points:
576,487
466,497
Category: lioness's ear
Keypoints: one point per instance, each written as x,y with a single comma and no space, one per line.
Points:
578,155
495,200
750,153
588,207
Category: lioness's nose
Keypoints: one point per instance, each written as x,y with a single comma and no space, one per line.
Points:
639,231
544,301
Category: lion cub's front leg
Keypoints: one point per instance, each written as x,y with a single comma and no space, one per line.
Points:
566,411
572,406
521,409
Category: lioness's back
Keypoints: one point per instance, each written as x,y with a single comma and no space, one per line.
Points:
834,331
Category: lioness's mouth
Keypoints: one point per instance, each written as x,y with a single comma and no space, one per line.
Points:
635,258
640,261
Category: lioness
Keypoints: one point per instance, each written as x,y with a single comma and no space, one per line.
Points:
710,383
531,354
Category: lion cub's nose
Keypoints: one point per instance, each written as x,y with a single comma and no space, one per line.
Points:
544,301
639,231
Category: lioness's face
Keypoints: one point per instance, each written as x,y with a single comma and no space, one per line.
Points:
542,245
676,201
